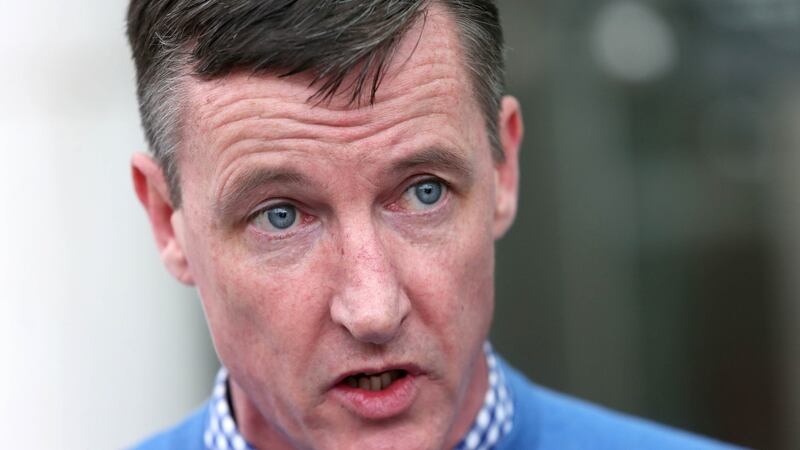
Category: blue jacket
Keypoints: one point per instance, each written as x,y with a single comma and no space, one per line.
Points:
543,420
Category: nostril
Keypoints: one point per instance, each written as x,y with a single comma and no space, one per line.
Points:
373,309
375,323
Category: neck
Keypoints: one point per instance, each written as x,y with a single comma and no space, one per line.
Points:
472,402
252,424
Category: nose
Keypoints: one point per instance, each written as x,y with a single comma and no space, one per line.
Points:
370,302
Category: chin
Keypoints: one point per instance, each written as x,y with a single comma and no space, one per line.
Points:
392,440
382,435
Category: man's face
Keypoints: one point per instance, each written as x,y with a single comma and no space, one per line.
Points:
344,256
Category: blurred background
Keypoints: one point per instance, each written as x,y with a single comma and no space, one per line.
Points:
654,267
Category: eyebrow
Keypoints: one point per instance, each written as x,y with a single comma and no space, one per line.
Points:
437,157
244,186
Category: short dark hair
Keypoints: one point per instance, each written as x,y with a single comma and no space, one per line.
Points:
330,39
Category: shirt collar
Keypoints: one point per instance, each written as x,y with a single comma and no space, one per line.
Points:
494,420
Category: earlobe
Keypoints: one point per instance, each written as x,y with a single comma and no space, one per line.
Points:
511,131
153,193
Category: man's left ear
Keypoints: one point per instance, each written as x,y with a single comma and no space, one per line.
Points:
506,172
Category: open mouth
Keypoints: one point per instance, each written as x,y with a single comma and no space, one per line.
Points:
374,382
376,394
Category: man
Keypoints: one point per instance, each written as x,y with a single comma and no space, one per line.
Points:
332,176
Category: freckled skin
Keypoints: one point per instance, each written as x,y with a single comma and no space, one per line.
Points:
363,280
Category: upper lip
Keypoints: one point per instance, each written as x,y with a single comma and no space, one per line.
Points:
411,369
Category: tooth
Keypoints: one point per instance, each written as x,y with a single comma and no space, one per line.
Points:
386,380
363,383
375,383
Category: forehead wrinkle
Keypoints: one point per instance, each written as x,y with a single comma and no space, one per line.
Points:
288,133
361,120
244,98
313,142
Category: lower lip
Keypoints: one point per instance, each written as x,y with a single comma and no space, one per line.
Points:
378,405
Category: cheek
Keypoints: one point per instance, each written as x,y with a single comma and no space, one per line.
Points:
258,312
451,286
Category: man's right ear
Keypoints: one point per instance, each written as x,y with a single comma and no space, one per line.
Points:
153,192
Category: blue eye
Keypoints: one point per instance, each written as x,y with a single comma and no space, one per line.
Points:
280,217
428,192
424,195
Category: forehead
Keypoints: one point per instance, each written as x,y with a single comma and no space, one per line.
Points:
426,85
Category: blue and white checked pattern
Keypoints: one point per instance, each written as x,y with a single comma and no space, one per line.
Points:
221,430
494,420
496,416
